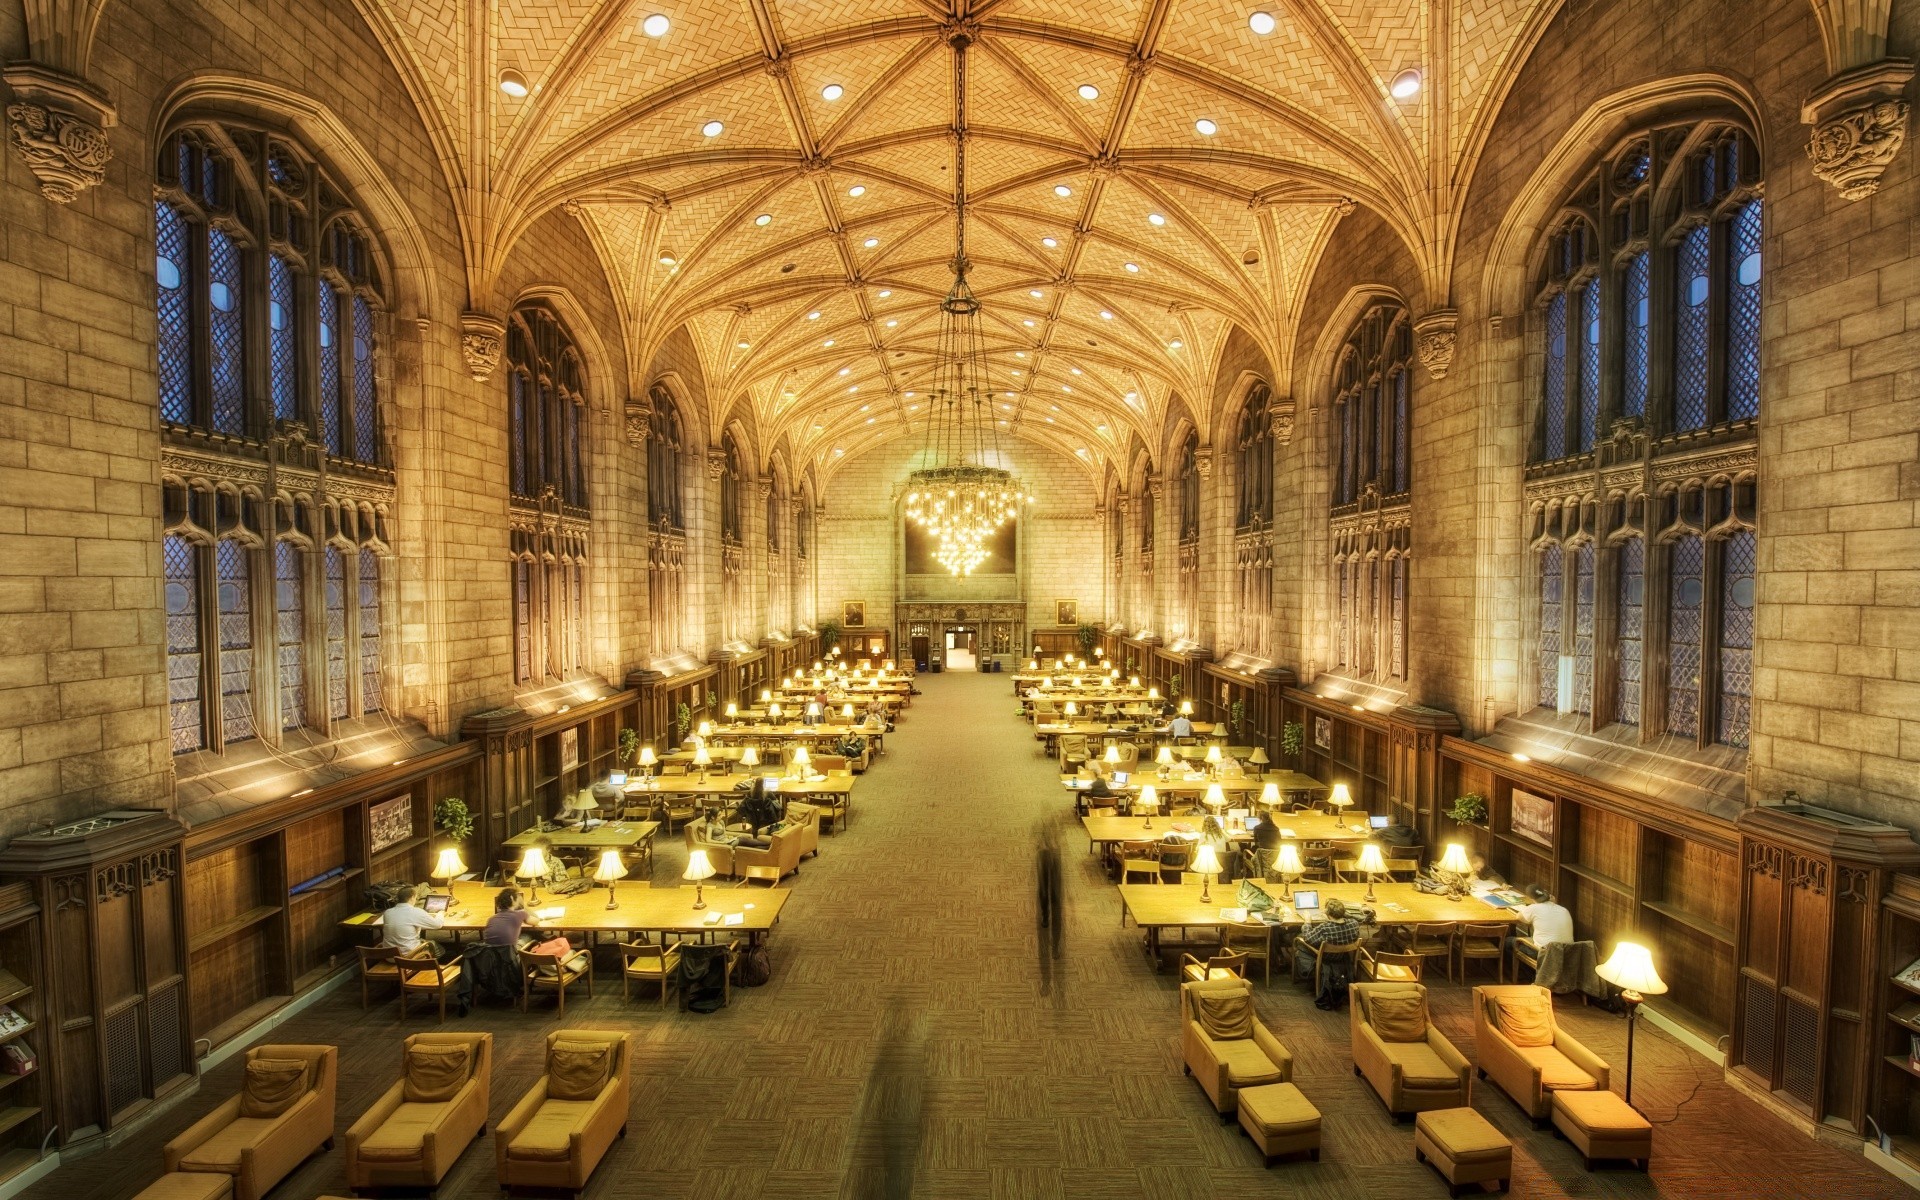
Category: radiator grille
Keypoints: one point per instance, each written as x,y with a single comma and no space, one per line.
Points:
1756,1035
1799,1049
123,1059
163,1034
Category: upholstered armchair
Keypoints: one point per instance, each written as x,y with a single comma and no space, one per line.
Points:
412,1135
283,1114
1402,1054
1225,1046
719,854
804,819
1525,1052
561,1129
773,862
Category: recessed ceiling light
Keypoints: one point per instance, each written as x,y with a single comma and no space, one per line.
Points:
1019,353
814,315
1028,323
763,219
1132,396
869,420
1035,293
1207,128
1261,23
832,91
655,25
846,370
513,83
1006,408
1014,371
891,324
743,345
1156,219
870,243
1089,92
667,258
1105,315
1078,371
712,128
910,395
865,407
1061,189
1053,408
1405,84
1050,421
858,189
1049,243
885,292
1066,389
912,407
1175,344
1133,268
827,345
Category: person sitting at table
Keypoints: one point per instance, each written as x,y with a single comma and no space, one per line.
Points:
1180,727
1483,878
1337,930
509,917
402,925
1213,832
1100,788
557,870
1545,921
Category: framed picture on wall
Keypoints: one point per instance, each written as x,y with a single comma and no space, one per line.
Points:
1068,612
1532,817
1323,733
569,749
853,614
392,822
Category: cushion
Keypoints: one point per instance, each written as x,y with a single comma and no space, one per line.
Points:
1464,1134
272,1085
221,1152
402,1136
1421,1067
435,1073
578,1070
1279,1108
1556,1069
1224,1013
548,1134
1603,1113
188,1185
1526,1020
1247,1065
1398,1018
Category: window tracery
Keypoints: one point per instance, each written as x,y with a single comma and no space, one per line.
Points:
1371,520
547,497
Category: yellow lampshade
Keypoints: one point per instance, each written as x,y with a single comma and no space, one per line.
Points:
774,709
449,865
1186,708
1046,681
1341,797
1113,754
646,756
1371,860
698,867
846,710
1455,859
1270,795
1259,756
1205,860
1072,709
766,694
1165,756
887,665
1113,672
1216,796
1033,664
1133,681
1153,693
610,867
1076,681
1148,800
705,729
816,665
1059,664
1099,652
1213,754
750,757
702,757
1631,967
786,681
533,864
733,710
800,756
813,710
584,802
1289,861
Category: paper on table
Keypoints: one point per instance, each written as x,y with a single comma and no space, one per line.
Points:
549,914
735,919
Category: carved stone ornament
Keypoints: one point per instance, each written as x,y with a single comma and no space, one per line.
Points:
1280,412
1859,120
639,424
1203,462
55,124
481,335
716,463
1434,336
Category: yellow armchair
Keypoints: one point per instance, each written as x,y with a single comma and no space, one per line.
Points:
282,1116
414,1133
805,819
772,862
1401,1053
1526,1053
1224,1045
561,1129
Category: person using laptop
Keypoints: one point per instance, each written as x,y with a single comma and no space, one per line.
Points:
403,926
1180,727
1336,930
1099,789
1545,922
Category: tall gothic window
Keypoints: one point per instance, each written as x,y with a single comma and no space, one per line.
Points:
1254,444
547,486
1188,549
1648,315
665,446
735,474
270,311
667,522
1253,520
733,505
1371,520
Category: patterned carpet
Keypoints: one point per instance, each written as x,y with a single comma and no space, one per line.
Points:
919,1040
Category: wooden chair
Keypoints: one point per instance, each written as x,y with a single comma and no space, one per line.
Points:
424,975
552,973
649,963
1176,856
681,808
1140,858
376,962
1387,966
1483,941
1324,951
1218,966
1251,938
1526,953
1431,939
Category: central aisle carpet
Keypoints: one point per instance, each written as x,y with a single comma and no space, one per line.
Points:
918,1038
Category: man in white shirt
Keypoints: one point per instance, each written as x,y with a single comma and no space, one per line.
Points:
402,924
1181,727
1546,921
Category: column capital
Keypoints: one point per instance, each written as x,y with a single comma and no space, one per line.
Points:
1434,338
55,124
481,337
1859,120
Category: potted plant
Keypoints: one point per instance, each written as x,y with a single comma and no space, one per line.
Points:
629,747
1293,735
829,634
453,818
682,721
1088,634
1237,714
1470,809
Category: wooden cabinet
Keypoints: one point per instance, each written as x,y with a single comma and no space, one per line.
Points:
530,765
25,1096
1895,1064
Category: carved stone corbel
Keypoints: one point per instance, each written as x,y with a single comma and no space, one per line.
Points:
1859,120
639,425
481,337
1203,461
1434,336
55,124
716,463
1280,412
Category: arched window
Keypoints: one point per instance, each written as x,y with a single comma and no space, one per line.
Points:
1372,406
664,449
1254,445
546,408
547,496
1189,477
1371,514
733,505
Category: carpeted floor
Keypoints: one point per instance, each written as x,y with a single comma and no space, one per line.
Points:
918,1040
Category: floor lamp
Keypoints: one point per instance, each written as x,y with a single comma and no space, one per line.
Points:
1631,970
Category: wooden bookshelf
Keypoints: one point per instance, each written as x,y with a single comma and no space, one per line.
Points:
23,1120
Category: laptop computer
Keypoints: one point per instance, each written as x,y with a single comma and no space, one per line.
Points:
1120,778
437,904
617,778
1306,900
1378,822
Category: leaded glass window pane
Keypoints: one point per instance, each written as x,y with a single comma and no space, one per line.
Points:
228,359
284,366
1635,315
173,271
1549,664
1556,383
517,431
1583,629
329,321
181,559
1589,364
1691,319
1743,313
369,631
1686,593
1340,615
1399,666
580,615
233,563
1631,600
522,621
366,408
1737,587
336,589
290,632
1402,430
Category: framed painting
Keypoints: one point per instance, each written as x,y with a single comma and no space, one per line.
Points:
1323,733
1066,612
569,749
391,821
853,614
1532,817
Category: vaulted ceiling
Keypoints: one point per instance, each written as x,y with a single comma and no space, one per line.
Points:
807,240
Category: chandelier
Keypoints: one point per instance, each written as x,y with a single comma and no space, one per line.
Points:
963,496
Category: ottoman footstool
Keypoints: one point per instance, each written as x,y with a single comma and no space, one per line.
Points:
1280,1120
189,1185
1464,1147
1602,1125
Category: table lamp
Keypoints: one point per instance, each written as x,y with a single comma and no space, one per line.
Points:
802,761
1371,863
533,867
704,729
702,758
1454,868
816,666
1072,709
749,757
774,710
1112,756
584,804
449,867
1340,801
1630,968
766,694
610,869
1148,802
698,870
646,763
1099,651
1059,664
1259,756
1216,798
1076,681
887,665
1133,681
1164,760
1213,758
1207,863
1289,868
1046,682
1153,693
1186,708
813,709
733,710
1270,797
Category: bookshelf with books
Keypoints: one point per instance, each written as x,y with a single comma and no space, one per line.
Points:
1896,1101
23,1079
